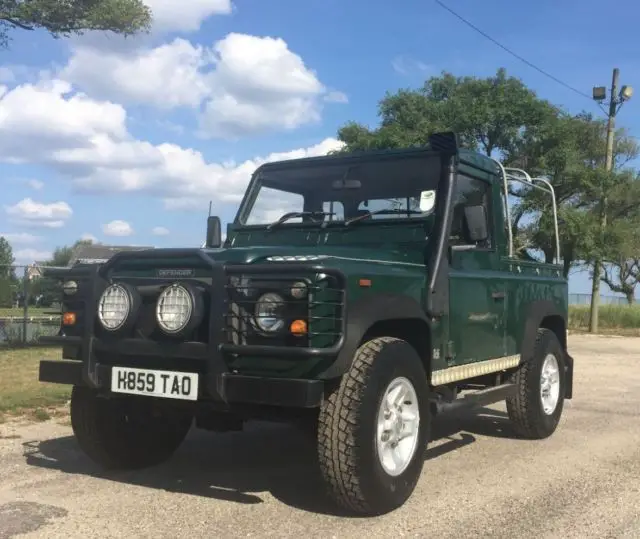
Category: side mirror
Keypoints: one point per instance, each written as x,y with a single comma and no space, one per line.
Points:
476,218
214,232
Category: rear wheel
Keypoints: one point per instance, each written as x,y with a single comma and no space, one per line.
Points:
127,432
536,407
373,428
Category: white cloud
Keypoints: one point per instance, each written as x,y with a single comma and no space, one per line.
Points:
260,83
168,76
336,97
21,238
36,185
37,121
186,15
243,84
29,256
99,155
86,236
117,228
160,231
405,65
49,215
184,179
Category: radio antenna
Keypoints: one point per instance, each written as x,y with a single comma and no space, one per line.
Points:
210,208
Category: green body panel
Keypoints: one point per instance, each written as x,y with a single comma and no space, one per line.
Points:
477,318
490,296
529,283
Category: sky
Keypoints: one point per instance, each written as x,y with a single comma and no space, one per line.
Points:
126,141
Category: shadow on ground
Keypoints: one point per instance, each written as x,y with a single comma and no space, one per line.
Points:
238,466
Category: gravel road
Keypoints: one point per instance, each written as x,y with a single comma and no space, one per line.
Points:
479,480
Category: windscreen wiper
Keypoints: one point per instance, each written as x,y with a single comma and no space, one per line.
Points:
294,214
386,211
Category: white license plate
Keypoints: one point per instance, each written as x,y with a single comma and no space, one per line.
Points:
168,384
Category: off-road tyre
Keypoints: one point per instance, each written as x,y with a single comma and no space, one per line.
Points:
347,450
525,408
128,432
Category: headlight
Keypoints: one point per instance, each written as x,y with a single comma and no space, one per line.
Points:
114,307
267,315
299,290
174,308
69,288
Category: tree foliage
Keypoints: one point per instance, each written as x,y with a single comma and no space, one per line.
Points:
49,290
7,273
63,18
488,114
62,255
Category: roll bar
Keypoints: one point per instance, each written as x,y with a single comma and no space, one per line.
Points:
521,176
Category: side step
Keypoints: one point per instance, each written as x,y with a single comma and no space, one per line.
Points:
483,397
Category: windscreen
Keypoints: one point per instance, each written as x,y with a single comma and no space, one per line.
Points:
389,188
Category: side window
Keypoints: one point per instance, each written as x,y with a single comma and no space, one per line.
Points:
470,192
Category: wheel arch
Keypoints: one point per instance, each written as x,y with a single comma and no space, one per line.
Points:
385,314
547,315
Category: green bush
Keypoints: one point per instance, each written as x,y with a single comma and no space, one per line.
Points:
610,317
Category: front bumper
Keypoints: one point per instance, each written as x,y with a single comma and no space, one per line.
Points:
228,388
93,357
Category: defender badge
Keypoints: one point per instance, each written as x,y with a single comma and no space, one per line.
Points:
175,273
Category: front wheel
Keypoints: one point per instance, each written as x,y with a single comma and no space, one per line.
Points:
127,432
374,427
540,381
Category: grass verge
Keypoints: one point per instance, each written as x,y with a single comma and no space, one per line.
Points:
20,390
37,312
619,319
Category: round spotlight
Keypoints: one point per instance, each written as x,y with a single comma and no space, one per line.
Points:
114,307
174,308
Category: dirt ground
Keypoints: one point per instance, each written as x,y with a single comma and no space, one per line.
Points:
479,480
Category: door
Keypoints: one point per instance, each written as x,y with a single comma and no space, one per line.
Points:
477,289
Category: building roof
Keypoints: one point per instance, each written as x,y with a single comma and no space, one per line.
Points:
99,254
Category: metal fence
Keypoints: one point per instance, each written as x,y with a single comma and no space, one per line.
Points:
585,299
29,305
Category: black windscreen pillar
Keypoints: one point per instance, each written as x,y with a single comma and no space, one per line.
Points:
437,300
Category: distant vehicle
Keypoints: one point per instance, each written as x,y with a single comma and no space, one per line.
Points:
359,293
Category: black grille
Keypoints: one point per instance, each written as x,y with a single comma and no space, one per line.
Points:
321,309
229,306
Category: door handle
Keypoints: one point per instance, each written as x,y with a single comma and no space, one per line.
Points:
498,295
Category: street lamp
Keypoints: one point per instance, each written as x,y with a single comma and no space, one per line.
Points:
626,93
617,99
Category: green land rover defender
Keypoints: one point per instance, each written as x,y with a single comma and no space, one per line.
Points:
360,294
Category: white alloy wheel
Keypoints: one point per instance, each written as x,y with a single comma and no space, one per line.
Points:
398,426
550,384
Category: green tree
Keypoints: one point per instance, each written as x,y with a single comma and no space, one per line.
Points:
49,289
62,255
63,18
488,114
570,151
621,240
7,273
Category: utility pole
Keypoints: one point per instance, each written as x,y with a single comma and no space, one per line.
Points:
615,102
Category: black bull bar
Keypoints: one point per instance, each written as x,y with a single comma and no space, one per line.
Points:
219,384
